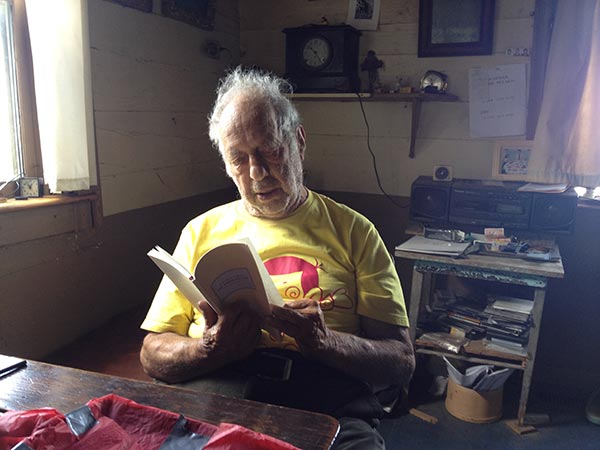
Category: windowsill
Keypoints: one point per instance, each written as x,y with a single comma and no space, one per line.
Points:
50,216
13,205
588,203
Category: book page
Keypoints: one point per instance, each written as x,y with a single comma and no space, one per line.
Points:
234,272
179,276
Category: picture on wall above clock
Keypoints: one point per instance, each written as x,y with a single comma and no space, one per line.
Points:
322,58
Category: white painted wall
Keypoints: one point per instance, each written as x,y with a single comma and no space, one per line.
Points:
337,156
152,90
153,87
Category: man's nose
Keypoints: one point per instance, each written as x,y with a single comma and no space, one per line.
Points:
258,168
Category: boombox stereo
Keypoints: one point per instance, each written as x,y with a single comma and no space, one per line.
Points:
472,205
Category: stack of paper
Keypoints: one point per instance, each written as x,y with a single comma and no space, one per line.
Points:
420,244
481,378
513,304
544,188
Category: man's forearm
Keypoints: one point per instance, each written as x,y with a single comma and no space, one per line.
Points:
380,362
173,358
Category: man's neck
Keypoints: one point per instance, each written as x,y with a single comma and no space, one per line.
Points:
288,212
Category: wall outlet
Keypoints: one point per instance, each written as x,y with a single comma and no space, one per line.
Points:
213,49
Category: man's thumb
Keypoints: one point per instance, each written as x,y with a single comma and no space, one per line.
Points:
210,316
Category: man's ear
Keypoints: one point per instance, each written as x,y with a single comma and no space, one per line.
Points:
301,140
225,165
227,170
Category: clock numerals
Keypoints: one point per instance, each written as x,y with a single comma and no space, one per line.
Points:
29,187
316,53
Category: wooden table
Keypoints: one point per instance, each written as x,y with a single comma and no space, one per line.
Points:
490,268
65,389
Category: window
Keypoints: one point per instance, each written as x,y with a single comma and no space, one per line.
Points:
46,118
11,160
46,121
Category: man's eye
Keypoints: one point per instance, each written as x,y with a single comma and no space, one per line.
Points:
238,160
272,153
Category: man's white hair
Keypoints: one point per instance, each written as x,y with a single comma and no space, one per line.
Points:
263,86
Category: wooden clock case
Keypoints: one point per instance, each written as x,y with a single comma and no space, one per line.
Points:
340,74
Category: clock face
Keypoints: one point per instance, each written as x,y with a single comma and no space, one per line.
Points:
316,53
30,187
433,81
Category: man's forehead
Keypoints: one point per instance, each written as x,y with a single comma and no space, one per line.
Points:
248,115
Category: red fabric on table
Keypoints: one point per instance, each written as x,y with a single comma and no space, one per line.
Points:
122,424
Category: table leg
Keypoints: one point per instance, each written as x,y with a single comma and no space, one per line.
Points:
415,302
534,333
422,284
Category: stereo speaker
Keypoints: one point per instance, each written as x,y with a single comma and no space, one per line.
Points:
429,201
442,173
554,213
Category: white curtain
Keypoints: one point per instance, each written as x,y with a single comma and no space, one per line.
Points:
61,66
567,139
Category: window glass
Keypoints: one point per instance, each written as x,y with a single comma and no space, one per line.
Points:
10,155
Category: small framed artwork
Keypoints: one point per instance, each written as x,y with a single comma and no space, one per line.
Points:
363,14
199,13
142,5
456,28
511,160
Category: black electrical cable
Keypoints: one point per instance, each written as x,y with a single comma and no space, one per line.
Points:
373,158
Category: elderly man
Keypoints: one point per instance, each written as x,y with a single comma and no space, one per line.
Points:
344,323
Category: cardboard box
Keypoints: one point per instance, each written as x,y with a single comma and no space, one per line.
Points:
472,406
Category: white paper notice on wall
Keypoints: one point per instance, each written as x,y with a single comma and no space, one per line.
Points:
497,101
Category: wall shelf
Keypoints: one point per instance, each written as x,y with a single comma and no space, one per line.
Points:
414,98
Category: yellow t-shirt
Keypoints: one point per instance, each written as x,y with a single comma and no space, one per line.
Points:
324,251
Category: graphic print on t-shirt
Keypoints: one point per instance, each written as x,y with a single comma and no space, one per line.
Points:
297,278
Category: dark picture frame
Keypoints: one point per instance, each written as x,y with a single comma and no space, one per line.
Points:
456,27
142,5
199,13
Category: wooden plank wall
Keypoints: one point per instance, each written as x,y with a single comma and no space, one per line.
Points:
153,87
337,156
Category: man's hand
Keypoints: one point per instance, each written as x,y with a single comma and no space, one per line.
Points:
303,320
380,344
229,337
233,335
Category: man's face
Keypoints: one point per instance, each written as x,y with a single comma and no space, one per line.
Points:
266,170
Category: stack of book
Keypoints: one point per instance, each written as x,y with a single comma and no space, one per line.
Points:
503,322
514,316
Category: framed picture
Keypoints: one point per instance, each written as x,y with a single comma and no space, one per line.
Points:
363,14
456,28
511,160
142,5
199,13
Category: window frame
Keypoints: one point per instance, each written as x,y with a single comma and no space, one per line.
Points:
30,142
89,218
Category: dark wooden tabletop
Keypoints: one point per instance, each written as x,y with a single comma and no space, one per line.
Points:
65,389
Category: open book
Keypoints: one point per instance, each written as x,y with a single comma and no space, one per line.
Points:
229,272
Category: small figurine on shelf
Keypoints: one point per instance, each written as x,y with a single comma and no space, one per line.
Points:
372,64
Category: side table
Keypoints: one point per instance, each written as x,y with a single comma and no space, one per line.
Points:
494,269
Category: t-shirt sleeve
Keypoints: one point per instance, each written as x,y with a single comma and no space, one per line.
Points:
379,291
170,311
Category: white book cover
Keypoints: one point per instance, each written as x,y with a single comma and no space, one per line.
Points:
229,272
